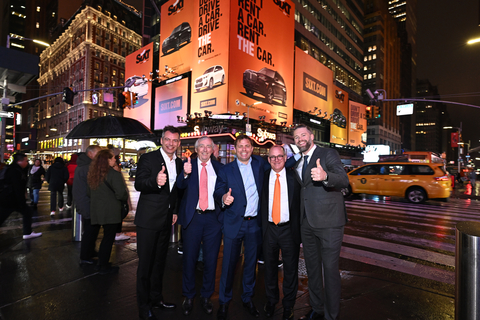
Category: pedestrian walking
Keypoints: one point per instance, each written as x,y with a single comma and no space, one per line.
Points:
71,166
36,174
57,176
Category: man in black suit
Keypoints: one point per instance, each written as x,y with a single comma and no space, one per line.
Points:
280,205
322,218
156,213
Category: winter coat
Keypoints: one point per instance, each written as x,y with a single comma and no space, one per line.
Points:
80,186
71,172
57,175
15,181
105,205
35,180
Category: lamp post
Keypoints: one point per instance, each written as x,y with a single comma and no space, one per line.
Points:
459,129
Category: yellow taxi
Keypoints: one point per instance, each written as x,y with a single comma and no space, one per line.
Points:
416,182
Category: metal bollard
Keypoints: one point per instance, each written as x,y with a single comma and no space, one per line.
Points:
467,270
77,226
175,234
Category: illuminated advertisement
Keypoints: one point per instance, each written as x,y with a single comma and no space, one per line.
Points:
177,37
357,134
314,90
261,59
171,102
138,66
339,118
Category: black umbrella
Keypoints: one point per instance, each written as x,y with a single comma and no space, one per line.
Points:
108,127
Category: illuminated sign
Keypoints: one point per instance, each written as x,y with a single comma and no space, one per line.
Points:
314,86
170,105
404,109
264,135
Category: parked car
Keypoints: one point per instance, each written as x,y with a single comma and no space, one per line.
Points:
179,35
211,76
266,82
415,181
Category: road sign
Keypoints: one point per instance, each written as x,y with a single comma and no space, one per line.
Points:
5,114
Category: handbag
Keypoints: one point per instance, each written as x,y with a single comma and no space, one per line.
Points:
123,203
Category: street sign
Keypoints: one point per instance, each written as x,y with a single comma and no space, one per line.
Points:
5,114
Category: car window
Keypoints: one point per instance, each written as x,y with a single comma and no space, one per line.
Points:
267,72
208,70
279,78
177,29
367,170
391,169
420,170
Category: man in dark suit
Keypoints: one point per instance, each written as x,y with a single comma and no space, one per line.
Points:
199,218
156,212
238,188
280,205
322,218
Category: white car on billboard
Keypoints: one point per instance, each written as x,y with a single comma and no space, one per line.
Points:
138,85
210,77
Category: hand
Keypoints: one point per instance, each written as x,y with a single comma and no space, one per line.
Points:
162,177
187,167
318,174
227,197
174,219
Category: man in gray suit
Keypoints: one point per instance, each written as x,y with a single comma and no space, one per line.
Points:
322,218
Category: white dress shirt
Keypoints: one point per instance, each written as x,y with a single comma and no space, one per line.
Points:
212,179
171,168
284,215
300,164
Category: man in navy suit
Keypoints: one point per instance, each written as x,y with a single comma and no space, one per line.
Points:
238,188
199,217
280,206
156,212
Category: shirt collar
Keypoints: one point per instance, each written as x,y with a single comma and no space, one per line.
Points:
243,164
166,157
310,153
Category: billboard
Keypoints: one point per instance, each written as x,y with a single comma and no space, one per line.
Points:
138,66
339,119
261,59
357,134
171,101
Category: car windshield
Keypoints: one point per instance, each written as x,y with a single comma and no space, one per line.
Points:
209,70
267,72
177,29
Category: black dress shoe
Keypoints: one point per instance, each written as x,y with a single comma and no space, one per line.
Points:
148,315
164,305
222,312
312,315
269,309
187,306
287,314
251,308
207,305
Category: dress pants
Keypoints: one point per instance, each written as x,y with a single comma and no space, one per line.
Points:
26,212
321,248
69,194
152,247
276,238
53,199
203,227
250,235
89,238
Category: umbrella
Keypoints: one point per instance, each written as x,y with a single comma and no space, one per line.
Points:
108,127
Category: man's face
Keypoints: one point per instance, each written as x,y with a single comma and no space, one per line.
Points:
204,150
93,153
23,163
244,150
170,143
277,158
303,139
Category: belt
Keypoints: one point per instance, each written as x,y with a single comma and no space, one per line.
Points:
249,217
280,224
203,211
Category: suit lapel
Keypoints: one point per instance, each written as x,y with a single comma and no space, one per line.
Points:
290,183
194,177
163,163
238,176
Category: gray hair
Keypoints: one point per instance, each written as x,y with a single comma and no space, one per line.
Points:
203,138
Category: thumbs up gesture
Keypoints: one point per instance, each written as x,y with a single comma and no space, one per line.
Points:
187,167
318,174
227,197
162,177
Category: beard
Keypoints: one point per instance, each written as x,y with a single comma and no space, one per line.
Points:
307,146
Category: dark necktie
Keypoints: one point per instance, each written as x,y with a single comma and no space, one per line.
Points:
304,168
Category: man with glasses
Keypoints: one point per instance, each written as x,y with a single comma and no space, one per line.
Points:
280,204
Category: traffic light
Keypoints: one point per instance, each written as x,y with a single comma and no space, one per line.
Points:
121,100
368,114
378,112
135,98
68,95
127,99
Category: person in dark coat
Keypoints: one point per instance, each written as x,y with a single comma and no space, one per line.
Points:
71,166
57,175
35,181
12,195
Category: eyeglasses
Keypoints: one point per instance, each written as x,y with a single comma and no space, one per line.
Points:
276,158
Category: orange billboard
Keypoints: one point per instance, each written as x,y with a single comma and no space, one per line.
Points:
261,59
171,102
138,66
210,71
339,117
357,135
177,37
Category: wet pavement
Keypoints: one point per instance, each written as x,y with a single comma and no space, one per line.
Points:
41,279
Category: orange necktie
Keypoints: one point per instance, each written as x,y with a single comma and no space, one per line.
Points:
276,202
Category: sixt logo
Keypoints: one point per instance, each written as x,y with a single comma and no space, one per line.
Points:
314,86
143,57
339,95
176,7
284,6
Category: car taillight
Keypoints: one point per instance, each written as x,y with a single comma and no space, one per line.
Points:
442,178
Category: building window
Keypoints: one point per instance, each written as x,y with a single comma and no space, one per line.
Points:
38,9
37,25
114,72
374,56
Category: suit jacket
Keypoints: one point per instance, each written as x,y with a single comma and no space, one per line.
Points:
190,196
323,203
230,177
293,203
156,206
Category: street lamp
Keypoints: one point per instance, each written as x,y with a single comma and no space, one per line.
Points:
459,129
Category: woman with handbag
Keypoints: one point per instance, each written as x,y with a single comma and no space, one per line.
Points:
107,191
